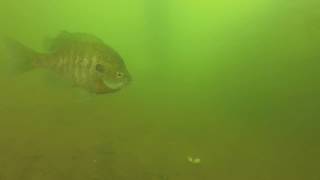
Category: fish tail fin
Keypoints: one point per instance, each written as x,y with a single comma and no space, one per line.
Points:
21,58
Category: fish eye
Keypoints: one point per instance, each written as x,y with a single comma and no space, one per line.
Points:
119,74
100,68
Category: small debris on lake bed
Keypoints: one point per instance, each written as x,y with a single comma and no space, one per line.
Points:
194,160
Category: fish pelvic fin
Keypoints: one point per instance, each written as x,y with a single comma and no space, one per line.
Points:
21,58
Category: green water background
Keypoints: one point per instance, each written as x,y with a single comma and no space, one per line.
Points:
235,83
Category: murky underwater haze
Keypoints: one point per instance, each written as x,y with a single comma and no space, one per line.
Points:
234,83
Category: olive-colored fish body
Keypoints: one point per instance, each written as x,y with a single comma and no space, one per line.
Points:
81,58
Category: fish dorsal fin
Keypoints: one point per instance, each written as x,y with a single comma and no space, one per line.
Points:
67,39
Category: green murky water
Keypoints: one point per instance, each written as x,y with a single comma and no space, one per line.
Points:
234,83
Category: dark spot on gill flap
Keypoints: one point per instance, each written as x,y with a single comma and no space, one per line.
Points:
101,88
100,68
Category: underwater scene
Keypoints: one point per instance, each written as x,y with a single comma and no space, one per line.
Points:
159,90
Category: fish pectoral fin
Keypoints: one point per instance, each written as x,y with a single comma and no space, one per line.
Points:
99,86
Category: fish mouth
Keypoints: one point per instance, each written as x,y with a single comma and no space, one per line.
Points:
112,85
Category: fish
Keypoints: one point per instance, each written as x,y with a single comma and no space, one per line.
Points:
82,59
